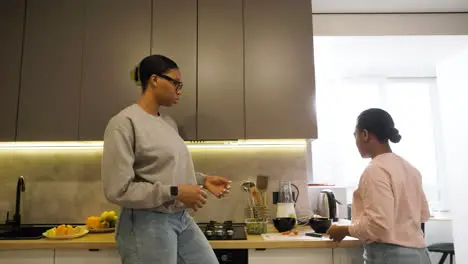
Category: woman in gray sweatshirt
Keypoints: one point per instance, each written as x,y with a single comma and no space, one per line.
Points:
147,170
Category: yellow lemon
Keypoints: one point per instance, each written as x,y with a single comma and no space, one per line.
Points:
51,232
104,215
110,216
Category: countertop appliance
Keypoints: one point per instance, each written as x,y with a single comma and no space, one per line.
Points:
226,230
286,200
327,205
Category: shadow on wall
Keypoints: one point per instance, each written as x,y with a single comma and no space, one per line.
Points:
63,186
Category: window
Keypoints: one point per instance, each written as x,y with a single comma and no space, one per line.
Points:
335,158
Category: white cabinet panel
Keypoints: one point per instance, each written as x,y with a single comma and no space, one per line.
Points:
27,256
296,256
348,255
84,256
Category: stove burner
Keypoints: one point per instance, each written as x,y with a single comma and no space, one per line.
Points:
223,231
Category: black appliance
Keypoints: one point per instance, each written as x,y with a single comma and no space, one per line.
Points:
223,231
226,230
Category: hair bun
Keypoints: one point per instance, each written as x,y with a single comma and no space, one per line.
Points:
135,75
395,136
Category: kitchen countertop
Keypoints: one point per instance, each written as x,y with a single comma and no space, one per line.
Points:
103,241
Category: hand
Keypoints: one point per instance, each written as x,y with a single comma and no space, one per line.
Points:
338,233
192,195
218,186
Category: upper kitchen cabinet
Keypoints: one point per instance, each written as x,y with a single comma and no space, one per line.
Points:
118,34
220,70
11,30
175,36
51,70
279,70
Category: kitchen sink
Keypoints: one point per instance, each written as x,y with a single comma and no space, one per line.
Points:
24,232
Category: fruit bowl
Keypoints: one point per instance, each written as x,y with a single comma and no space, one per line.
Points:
65,232
102,224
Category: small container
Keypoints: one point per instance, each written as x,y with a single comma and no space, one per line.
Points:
256,226
257,212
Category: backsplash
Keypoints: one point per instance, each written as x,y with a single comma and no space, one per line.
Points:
63,186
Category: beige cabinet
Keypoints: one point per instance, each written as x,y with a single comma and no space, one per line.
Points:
27,256
51,70
291,255
85,256
247,66
279,70
11,30
348,255
221,112
118,34
174,34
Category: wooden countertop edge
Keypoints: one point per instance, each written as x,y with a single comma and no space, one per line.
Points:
102,241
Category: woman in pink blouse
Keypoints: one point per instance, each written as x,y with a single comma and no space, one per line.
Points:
389,204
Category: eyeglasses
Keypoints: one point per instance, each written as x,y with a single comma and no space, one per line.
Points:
178,84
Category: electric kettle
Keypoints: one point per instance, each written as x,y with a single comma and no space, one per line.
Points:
327,205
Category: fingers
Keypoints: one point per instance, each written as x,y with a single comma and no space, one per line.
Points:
199,205
203,194
224,193
225,181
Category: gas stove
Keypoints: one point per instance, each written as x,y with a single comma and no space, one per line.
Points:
226,230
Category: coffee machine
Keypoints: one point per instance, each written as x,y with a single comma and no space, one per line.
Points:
327,205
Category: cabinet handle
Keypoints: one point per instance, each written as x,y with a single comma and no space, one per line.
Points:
94,249
260,249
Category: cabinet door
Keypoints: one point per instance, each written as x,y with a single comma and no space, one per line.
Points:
279,72
291,255
348,255
220,70
11,29
51,70
27,256
84,256
117,39
175,36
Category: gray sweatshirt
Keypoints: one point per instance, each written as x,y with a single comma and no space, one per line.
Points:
143,157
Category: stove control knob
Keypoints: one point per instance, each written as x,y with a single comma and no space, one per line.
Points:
224,258
230,232
209,232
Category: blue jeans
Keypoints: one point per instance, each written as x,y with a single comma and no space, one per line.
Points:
380,253
145,237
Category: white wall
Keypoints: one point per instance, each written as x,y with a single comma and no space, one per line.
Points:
453,93
394,6
383,56
438,231
389,24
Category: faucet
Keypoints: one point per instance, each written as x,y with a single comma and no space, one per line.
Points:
20,187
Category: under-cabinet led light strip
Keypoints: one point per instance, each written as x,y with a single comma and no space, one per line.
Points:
38,145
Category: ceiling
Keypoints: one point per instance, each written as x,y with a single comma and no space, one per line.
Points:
383,56
388,6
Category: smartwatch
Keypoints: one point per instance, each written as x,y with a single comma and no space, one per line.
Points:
174,191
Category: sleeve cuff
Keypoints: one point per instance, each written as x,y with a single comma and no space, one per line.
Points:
166,193
200,178
352,231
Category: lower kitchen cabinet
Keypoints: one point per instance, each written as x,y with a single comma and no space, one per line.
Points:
348,255
27,256
296,256
85,256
